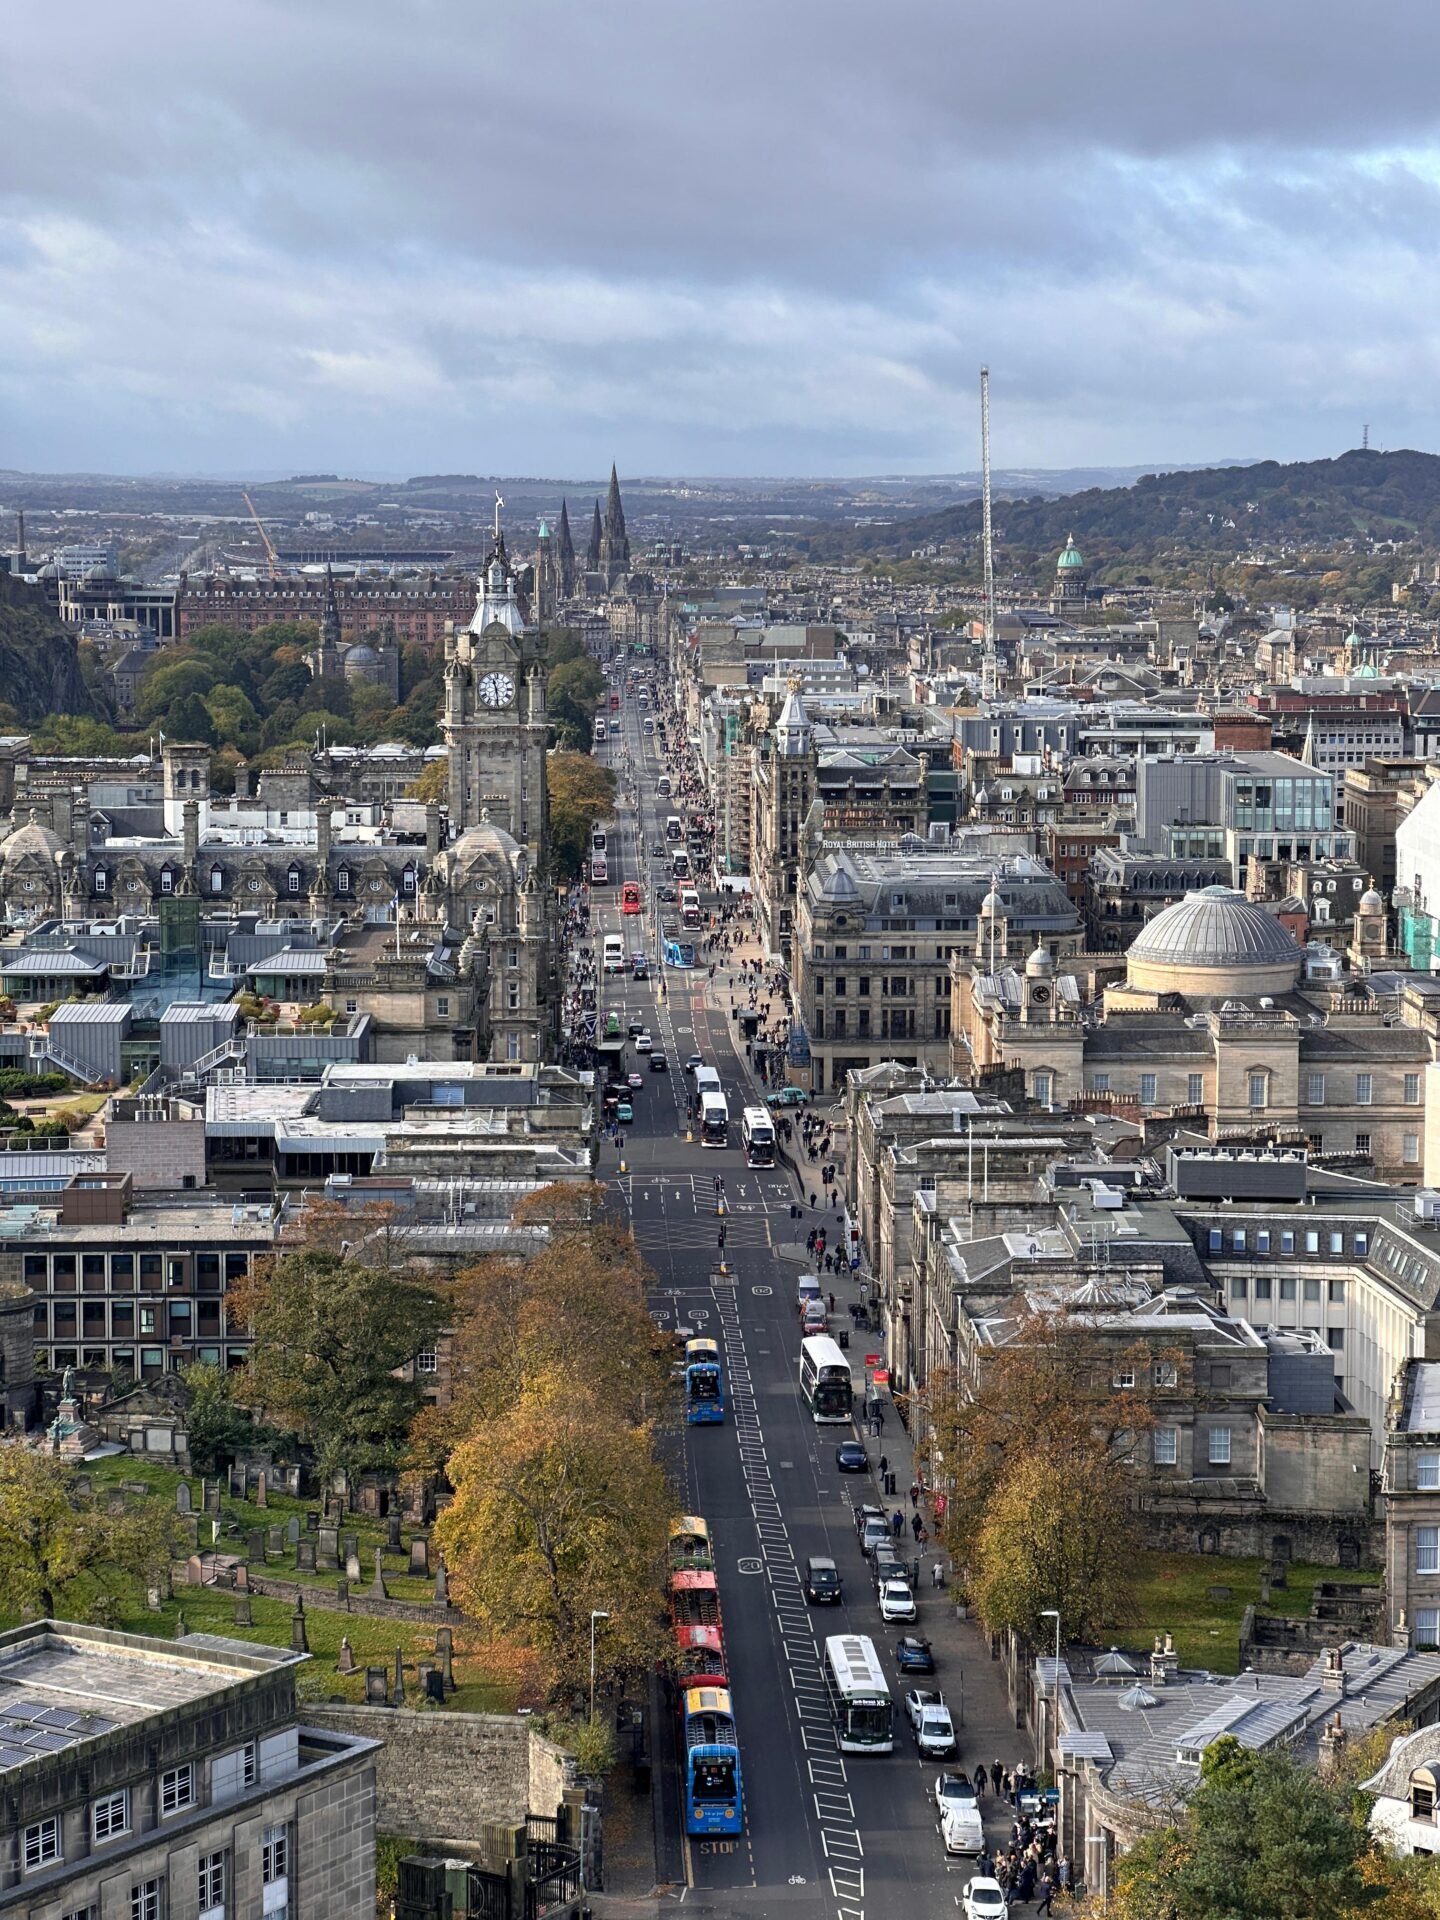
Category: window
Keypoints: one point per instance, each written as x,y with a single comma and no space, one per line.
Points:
1257,1089
1287,1241
1312,1289
275,1855
1238,1289
1334,1289
211,1879
1237,1240
1149,1088
102,880
1216,1239
292,880
42,1842
1263,1286
427,1361
1312,1240
442,1005
1362,1243
1195,1089
1362,1143
1335,1338
217,880
1262,1240
1166,1446
1219,1455
1427,1634
1364,1085
1042,1089
1427,1549
1412,1089
177,1790
1315,1089
1102,1083
1410,1149
342,880
145,1900
92,1912
1123,1377
1427,1472
1163,1373
110,1816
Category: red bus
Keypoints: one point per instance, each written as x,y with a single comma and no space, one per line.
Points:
700,1657
614,703
630,897
694,1600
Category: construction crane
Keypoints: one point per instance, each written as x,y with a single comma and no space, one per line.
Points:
271,555
989,667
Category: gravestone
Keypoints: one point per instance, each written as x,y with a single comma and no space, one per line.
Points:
377,1688
299,1639
370,1498
237,1483
182,1497
274,1539
399,1676
255,1544
445,1654
152,1599
342,1594
312,1520
347,1656
1217,1593
392,1532
244,1615
180,1627
194,1571
262,1491
85,1486
377,1586
241,1577
442,1585
292,1528
215,1532
349,1543
420,1556
305,1556
192,1530
327,1550
432,1682
212,1496
115,1500
352,1567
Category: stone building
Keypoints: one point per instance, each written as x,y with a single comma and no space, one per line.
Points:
157,1778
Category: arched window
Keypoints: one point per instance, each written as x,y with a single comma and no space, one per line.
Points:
102,880
292,880
167,880
1422,1794
407,880
342,880
217,880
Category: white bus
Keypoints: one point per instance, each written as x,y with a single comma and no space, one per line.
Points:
757,1137
860,1700
679,865
714,1120
825,1379
599,870
613,956
689,907
707,1080
598,842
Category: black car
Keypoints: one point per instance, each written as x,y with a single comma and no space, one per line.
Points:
851,1457
668,893
635,1029
658,1063
913,1655
822,1581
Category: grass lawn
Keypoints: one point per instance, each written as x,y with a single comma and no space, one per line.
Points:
1172,1596
208,1610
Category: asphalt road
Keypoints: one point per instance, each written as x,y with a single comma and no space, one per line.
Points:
841,1836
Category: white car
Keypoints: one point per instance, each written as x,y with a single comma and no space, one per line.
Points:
918,1699
961,1827
643,1043
935,1735
897,1602
950,1788
983,1900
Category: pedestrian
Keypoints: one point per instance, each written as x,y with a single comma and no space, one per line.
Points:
879,1419
915,1525
897,1523
1062,1873
914,1493
996,1776
832,1303
884,1466
982,1779
812,1203
937,1578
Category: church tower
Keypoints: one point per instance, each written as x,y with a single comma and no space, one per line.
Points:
592,552
565,558
546,598
494,720
614,541
328,659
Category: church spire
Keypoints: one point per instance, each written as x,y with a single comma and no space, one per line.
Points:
565,554
614,541
592,557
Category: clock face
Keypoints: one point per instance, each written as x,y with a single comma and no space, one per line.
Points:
497,689
1040,995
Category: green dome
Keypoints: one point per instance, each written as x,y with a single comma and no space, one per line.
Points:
1070,558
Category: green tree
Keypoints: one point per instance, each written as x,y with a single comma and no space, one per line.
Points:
233,716
58,1549
331,1327
572,694
189,719
581,792
171,680
218,1426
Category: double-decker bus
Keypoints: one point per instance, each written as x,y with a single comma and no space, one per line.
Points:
612,954
672,827
614,703
689,907
599,870
700,1657
713,1802
630,897
860,1702
598,842
704,1383
757,1137
694,1598
680,864
690,1548
825,1380
714,1120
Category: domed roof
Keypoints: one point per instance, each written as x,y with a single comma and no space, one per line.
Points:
1216,927
1371,902
359,657
992,906
484,846
837,885
1070,556
31,838
1040,963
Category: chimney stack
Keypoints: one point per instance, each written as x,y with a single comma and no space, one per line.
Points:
1164,1661
1332,1673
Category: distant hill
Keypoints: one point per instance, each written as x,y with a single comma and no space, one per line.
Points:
1216,510
39,664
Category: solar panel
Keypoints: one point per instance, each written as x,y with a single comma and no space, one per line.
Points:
49,1742
13,1756
62,1717
25,1709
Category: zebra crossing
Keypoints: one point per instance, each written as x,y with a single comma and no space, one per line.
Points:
834,1808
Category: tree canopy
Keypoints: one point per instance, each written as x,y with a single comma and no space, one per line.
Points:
581,792
60,1551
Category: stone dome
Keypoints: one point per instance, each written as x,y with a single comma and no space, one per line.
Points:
361,659
1214,942
992,907
31,838
1371,901
484,848
837,887
1040,964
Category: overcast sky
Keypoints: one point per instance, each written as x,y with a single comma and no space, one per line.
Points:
773,236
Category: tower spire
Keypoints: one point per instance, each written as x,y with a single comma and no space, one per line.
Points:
592,556
614,556
565,555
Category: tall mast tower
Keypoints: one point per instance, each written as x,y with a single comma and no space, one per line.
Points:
989,666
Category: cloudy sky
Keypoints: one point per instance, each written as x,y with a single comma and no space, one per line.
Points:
770,236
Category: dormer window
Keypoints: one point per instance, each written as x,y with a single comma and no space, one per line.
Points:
167,880
342,880
407,880
217,880
292,880
102,880
1422,1795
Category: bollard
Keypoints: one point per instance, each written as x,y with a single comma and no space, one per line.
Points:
622,1166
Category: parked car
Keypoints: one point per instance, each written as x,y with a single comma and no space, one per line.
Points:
658,1063
918,1699
897,1602
886,1564
823,1585
787,1097
950,1789
913,1655
962,1829
866,1512
874,1533
935,1735
983,1899
851,1457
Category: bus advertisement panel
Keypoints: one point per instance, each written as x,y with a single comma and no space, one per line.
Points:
825,1380
599,870
630,897
757,1137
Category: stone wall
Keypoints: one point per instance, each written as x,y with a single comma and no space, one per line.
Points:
440,1776
359,1600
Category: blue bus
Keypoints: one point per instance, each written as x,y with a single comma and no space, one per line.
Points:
704,1383
713,1800
679,953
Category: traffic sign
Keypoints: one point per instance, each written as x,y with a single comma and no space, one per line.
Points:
880,1377
872,1359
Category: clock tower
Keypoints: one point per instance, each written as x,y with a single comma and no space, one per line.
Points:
494,721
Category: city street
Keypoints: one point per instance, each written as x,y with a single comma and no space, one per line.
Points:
825,1834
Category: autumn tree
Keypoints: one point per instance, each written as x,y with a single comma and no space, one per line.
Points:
581,792
1054,1387
560,1508
331,1330
432,783
58,1549
1058,1532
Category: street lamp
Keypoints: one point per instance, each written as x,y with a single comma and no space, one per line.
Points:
597,1613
